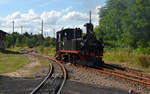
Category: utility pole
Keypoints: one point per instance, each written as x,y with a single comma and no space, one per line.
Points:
12,33
21,29
42,28
90,17
54,32
50,30
13,26
41,34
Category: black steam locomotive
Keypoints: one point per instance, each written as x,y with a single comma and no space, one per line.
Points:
72,45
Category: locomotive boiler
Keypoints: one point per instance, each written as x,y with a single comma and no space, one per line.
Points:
72,45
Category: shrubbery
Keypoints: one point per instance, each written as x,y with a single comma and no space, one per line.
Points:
28,40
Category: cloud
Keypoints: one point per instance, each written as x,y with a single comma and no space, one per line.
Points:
90,4
51,17
31,21
67,9
97,9
74,16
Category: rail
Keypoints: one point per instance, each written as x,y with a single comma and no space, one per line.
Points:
42,83
126,75
50,73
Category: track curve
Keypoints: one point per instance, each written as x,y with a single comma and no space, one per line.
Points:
59,86
42,83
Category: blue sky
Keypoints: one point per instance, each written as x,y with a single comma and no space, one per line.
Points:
55,13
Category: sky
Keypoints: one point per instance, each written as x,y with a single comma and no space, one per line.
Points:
56,14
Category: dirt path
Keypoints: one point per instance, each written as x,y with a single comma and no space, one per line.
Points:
26,71
24,80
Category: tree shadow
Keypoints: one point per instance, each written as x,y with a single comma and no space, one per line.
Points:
17,85
114,66
120,67
73,87
9,52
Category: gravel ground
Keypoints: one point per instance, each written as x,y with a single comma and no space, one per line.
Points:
84,81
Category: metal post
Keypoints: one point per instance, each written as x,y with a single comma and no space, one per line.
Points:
54,32
13,26
21,29
42,28
41,43
13,32
90,17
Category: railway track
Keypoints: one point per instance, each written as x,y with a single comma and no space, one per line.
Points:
127,70
127,76
54,81
118,72
122,73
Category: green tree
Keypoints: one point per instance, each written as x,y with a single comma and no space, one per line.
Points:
125,23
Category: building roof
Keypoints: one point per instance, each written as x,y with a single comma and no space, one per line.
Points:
1,31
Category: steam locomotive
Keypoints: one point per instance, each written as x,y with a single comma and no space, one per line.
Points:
72,45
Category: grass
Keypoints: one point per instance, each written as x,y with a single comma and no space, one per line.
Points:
129,58
43,63
16,49
50,51
144,61
11,62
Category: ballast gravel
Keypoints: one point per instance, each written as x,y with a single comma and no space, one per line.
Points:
84,81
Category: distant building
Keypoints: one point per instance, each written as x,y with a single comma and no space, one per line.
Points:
2,39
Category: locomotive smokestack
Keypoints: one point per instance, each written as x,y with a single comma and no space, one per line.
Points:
89,26
90,17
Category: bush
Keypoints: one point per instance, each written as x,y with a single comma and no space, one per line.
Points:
143,50
118,55
144,61
46,44
128,57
